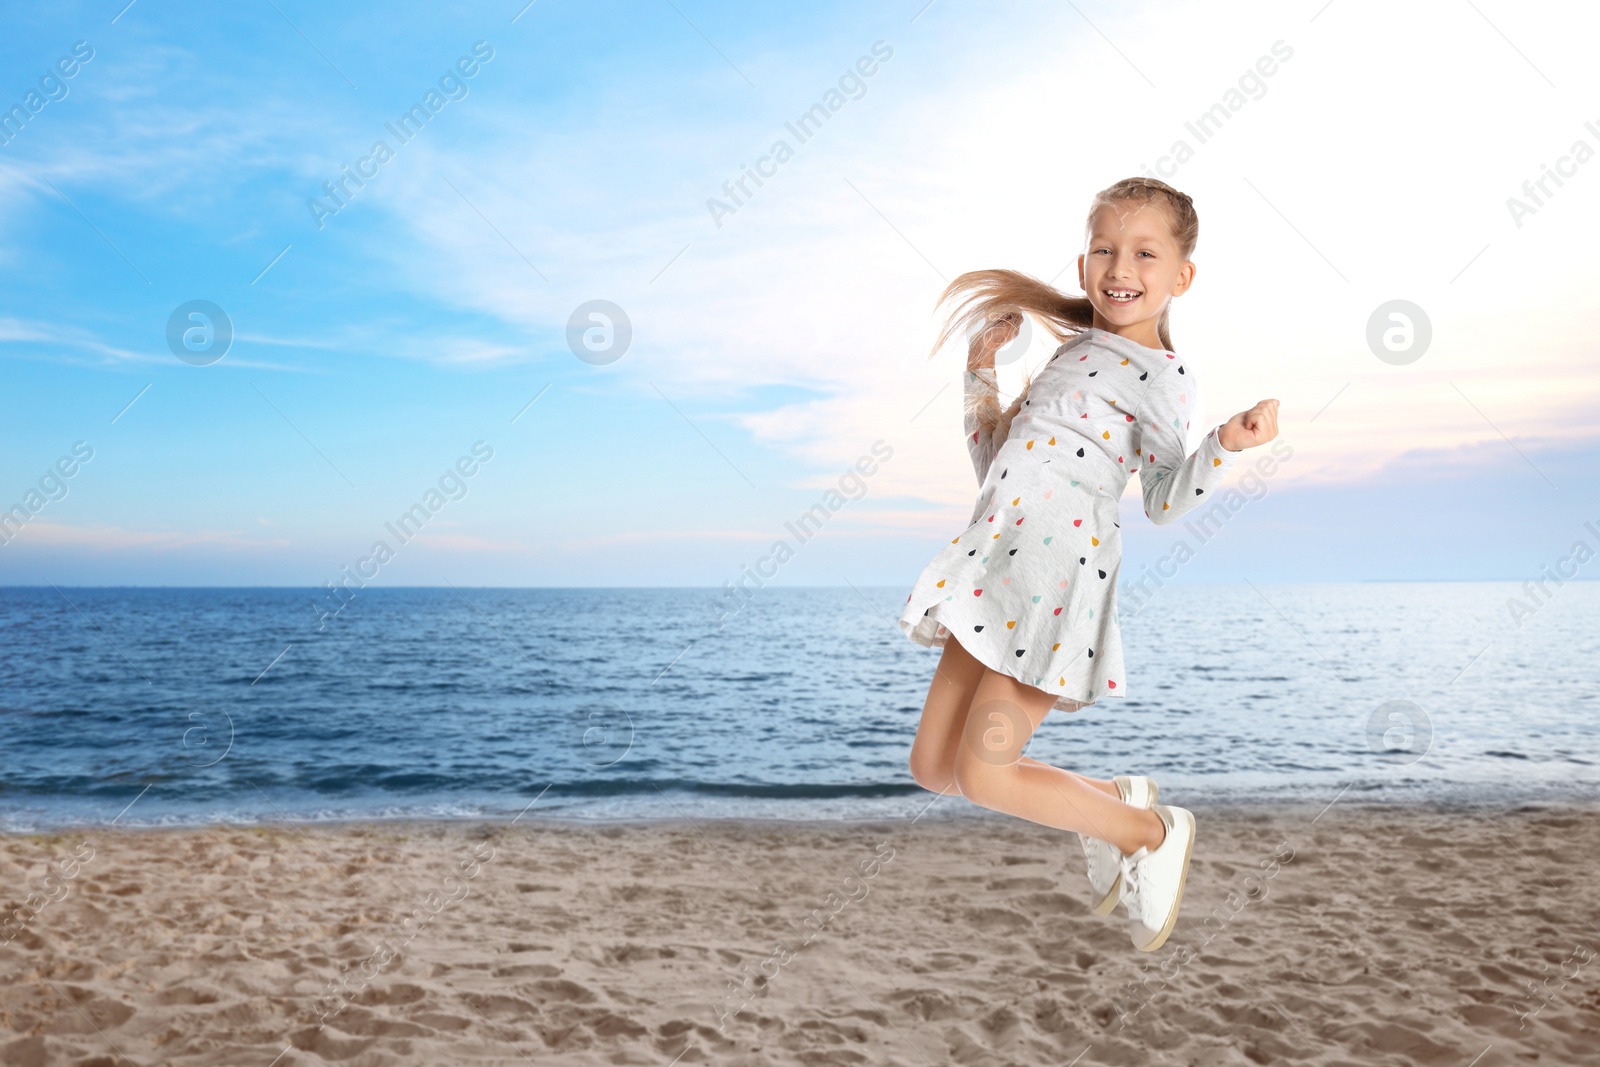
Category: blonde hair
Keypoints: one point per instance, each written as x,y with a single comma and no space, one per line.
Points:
996,294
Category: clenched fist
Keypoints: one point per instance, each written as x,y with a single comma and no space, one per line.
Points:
1250,428
998,333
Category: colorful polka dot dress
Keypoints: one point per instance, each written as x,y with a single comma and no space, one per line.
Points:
1029,588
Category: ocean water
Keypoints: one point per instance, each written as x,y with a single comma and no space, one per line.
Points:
179,706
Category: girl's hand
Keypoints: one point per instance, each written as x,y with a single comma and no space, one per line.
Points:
1250,428
996,335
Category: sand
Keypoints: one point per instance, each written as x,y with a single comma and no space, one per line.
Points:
1350,936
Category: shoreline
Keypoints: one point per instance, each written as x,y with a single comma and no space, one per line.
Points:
968,814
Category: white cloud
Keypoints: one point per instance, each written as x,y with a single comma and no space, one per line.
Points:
977,145
40,533
975,148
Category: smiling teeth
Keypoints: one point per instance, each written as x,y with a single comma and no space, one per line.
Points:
1121,294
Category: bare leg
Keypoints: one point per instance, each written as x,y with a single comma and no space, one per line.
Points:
1109,788
944,715
933,752
991,771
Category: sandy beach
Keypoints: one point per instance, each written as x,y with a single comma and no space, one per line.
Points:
1341,937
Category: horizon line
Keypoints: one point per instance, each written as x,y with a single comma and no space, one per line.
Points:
770,585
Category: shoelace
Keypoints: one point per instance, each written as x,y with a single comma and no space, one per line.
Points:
1132,871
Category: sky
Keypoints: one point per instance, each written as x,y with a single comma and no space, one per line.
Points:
432,315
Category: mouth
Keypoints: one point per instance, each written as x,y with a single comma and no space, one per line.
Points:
1122,297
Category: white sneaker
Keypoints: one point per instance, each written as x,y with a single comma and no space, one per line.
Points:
1153,881
1105,861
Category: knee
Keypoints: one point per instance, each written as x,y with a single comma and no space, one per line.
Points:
931,774
982,780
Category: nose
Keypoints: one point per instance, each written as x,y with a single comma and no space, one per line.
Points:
1120,268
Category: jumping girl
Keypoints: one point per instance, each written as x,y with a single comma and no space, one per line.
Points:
1023,601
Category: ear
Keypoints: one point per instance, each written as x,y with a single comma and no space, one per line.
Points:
1185,278
1083,282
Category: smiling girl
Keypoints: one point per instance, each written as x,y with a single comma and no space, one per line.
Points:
1023,601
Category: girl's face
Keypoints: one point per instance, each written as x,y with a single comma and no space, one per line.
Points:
1132,267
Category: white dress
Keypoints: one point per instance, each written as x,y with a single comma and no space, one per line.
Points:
1029,588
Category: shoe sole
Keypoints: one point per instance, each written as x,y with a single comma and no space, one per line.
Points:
1177,903
1108,903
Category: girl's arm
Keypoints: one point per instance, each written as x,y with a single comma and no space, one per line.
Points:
1173,483
985,425
981,410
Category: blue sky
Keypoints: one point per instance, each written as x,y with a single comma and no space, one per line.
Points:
771,347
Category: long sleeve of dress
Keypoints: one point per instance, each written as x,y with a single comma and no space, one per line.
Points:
981,391
1174,483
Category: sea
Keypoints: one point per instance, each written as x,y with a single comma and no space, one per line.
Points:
170,707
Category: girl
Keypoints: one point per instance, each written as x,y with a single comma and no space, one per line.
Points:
1023,601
